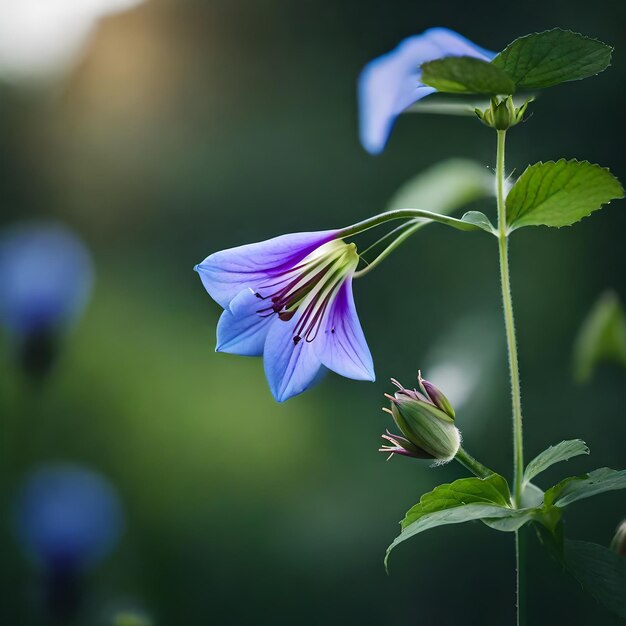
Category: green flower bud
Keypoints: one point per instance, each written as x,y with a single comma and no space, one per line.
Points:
429,430
502,113
618,544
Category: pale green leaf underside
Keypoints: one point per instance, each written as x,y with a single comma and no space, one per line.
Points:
554,454
586,486
532,496
600,571
466,75
552,57
463,500
514,521
602,337
559,194
455,515
490,490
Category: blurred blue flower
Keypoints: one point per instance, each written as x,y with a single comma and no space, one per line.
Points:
45,278
290,299
68,518
391,83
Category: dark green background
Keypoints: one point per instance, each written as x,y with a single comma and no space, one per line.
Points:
192,126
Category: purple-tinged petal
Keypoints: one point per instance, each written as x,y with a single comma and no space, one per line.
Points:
290,367
391,83
241,330
226,273
342,347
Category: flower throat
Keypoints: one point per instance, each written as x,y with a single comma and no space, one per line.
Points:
311,285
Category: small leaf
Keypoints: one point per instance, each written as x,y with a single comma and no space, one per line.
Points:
466,75
560,194
600,571
552,57
554,454
479,219
579,487
463,500
602,337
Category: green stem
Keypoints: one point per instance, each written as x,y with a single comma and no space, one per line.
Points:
396,243
520,574
509,323
474,466
400,214
518,466
389,235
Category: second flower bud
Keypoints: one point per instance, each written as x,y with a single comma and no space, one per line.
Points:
426,420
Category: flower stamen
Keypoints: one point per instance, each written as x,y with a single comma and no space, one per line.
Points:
312,284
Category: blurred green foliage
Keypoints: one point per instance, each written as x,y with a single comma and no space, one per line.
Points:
602,337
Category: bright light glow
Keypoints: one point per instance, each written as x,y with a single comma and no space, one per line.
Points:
463,359
458,379
41,39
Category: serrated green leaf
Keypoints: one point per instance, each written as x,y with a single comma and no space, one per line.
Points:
490,490
479,219
466,75
463,500
559,194
579,487
600,571
602,337
554,56
554,454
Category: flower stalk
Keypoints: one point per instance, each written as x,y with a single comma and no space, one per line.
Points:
470,463
399,214
509,323
413,226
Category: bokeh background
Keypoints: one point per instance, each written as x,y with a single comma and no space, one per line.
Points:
187,126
